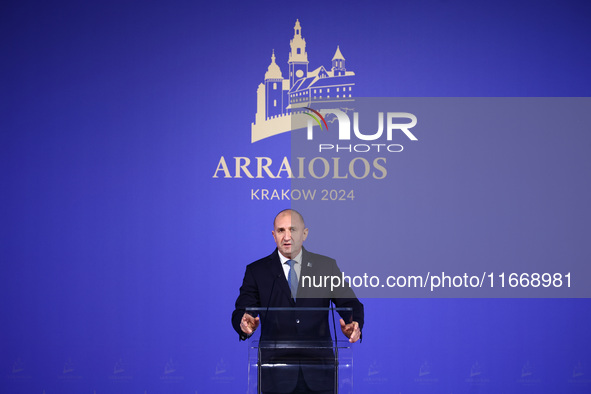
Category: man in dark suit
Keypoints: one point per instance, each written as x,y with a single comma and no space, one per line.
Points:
275,281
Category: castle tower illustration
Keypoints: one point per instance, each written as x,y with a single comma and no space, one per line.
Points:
298,58
338,63
274,89
280,100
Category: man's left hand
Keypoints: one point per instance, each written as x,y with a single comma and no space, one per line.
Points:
351,331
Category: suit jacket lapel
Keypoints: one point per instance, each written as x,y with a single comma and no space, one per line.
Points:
277,271
306,266
307,270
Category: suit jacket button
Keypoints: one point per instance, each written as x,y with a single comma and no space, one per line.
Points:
298,321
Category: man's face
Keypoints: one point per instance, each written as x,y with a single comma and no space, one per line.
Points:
289,234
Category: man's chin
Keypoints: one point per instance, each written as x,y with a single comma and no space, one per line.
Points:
286,252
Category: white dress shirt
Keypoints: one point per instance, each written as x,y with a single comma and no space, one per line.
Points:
297,265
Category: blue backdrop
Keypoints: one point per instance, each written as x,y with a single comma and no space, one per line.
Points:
121,254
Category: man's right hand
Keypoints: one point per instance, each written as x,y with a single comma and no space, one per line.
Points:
249,324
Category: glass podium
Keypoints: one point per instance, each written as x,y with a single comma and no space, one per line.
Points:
295,344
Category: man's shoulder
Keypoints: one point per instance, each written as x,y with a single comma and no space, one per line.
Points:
263,262
307,255
318,264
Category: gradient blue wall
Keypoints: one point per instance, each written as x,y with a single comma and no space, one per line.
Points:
121,255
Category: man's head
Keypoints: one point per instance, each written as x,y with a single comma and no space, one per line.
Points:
289,232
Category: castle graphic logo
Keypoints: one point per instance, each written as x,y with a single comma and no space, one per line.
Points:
280,102
322,104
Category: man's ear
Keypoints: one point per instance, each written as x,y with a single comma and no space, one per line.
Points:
305,234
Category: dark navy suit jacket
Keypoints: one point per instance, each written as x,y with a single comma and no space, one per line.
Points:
265,285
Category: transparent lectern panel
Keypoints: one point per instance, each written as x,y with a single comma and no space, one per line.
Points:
298,347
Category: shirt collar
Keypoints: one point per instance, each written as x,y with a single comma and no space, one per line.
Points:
297,259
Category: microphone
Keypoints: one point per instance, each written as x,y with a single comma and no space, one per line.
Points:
336,346
269,302
259,355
